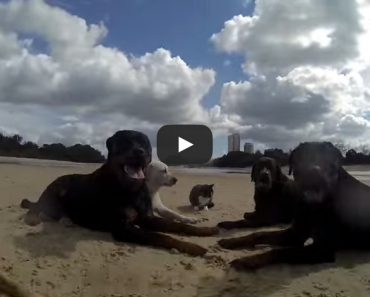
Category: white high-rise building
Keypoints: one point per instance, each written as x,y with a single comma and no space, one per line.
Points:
234,142
248,148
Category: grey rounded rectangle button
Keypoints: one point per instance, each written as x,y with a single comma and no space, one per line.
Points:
184,144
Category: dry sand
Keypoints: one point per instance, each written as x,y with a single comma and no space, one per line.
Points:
58,261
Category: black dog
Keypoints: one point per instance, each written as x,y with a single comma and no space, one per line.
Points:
115,199
275,197
334,211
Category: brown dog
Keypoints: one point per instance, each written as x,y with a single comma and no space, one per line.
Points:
115,199
275,196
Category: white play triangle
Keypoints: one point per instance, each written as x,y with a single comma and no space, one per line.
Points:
183,144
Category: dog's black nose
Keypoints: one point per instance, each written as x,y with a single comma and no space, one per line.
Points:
314,170
264,177
174,179
313,177
139,152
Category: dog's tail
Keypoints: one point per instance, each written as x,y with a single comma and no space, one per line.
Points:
27,204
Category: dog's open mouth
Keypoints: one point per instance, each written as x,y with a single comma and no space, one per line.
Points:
265,182
264,179
134,171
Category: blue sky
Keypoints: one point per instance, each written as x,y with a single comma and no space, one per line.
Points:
183,26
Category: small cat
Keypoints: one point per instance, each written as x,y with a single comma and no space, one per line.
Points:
201,197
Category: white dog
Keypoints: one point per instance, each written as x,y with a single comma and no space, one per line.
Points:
157,175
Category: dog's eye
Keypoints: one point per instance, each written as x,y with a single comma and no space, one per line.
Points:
164,170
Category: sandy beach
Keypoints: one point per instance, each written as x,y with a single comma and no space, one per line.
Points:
55,261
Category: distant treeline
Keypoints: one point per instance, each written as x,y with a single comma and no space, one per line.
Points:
14,146
241,159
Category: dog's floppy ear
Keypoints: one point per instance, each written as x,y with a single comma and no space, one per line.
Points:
253,173
292,154
110,146
109,143
290,163
291,157
336,151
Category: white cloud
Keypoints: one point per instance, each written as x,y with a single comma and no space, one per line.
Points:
79,75
284,34
351,125
307,64
81,72
309,71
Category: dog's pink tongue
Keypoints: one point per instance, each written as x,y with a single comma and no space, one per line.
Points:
139,174
136,173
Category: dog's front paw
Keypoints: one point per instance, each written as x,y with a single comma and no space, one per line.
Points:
189,220
226,243
226,225
248,215
242,264
208,231
236,243
193,249
251,262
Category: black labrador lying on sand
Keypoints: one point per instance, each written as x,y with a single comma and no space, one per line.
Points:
115,199
334,211
275,196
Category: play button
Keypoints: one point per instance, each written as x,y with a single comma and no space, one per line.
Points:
184,144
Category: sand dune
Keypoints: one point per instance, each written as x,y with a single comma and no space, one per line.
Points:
58,261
